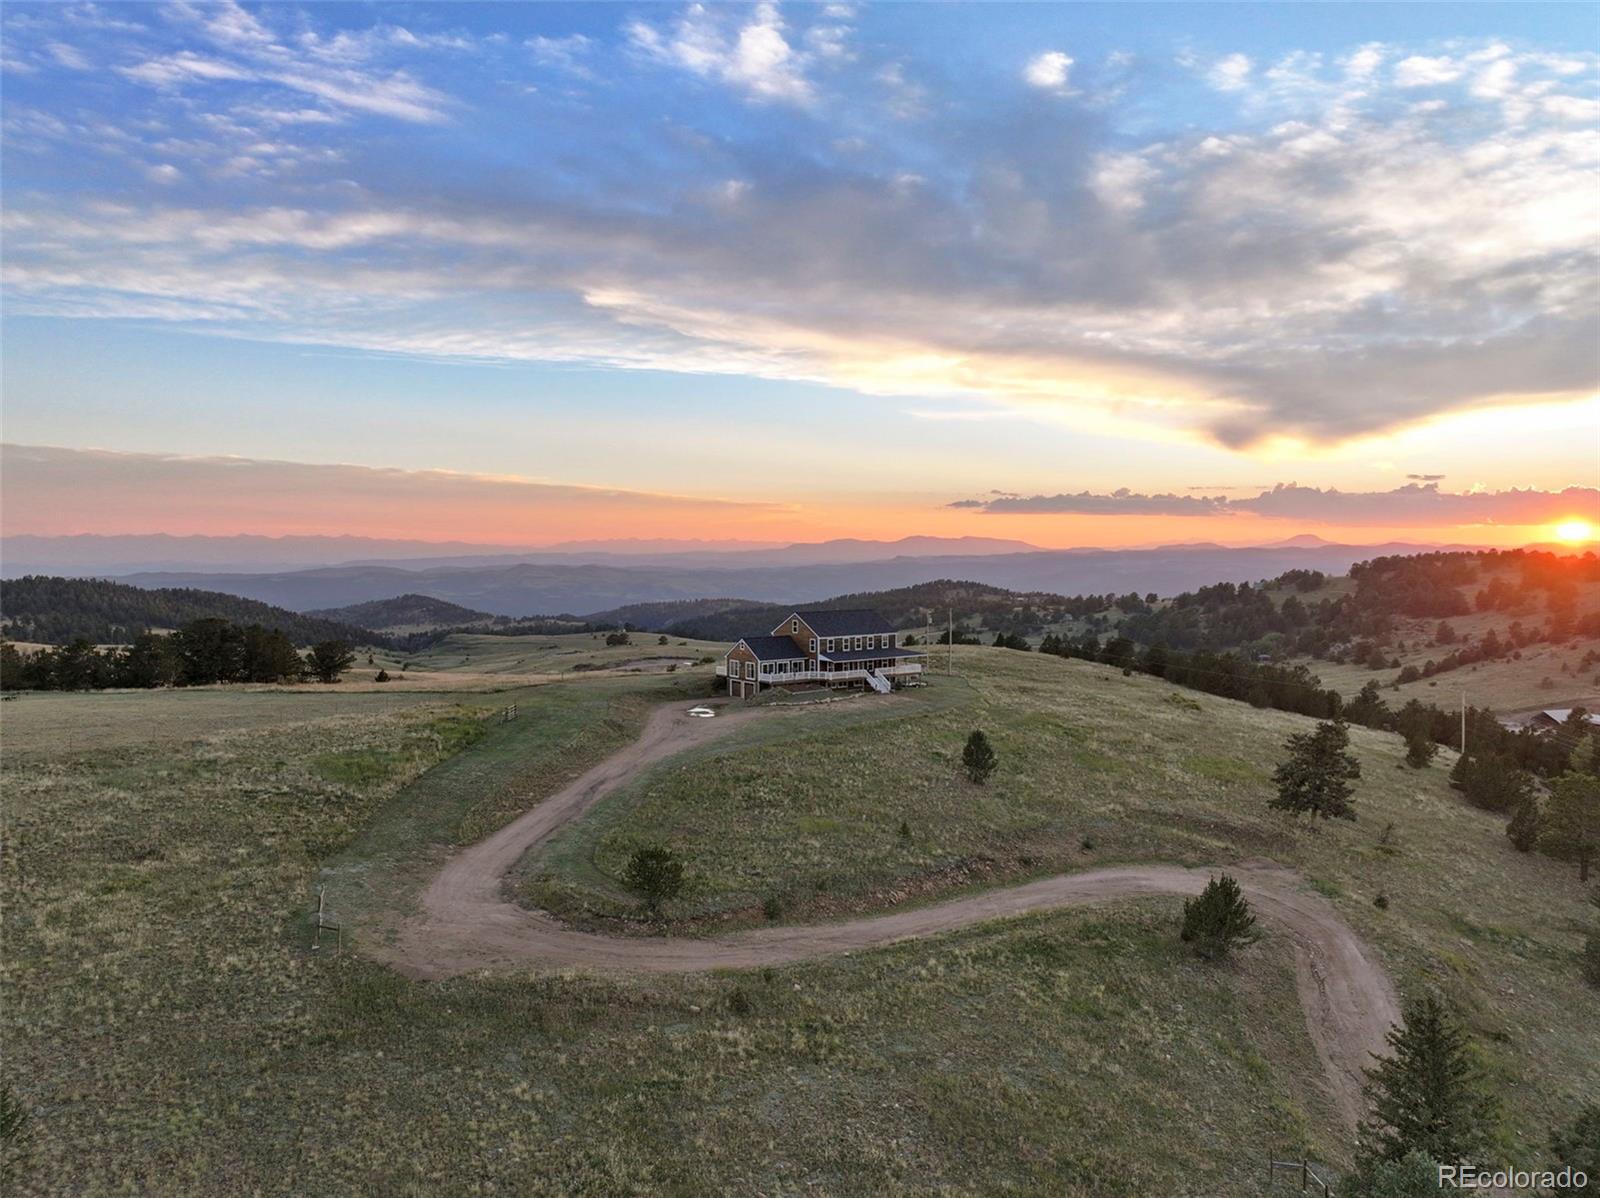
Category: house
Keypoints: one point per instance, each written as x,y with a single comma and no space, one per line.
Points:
830,648
1552,719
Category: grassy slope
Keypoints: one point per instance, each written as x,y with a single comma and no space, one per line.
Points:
172,1034
481,653
1144,772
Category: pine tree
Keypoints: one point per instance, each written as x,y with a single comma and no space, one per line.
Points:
979,757
1420,748
1578,1145
329,659
1317,777
1427,1095
1572,817
655,874
1219,920
1524,828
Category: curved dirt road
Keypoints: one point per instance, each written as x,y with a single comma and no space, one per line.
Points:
466,924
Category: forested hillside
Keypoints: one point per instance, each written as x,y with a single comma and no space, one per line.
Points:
410,613
905,607
56,611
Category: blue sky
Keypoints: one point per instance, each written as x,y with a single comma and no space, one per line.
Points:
1032,249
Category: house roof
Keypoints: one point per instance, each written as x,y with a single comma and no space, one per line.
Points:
1562,714
857,622
772,648
872,654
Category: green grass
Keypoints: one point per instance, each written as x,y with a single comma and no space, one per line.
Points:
1090,756
172,1033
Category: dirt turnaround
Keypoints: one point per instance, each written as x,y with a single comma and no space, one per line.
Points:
467,925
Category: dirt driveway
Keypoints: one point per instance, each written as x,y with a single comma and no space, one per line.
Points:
466,924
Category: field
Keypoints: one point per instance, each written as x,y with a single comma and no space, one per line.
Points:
172,1031
1097,768
470,660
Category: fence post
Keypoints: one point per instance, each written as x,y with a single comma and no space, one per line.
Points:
1305,1170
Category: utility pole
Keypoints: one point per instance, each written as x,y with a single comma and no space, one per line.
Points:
950,635
1463,723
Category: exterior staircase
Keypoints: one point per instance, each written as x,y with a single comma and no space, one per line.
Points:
878,682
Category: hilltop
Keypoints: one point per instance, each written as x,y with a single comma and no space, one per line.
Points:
406,613
56,611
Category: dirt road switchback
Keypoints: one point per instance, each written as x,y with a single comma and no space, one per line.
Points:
467,925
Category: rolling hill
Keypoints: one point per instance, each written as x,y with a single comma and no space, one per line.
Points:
406,613
56,611
544,587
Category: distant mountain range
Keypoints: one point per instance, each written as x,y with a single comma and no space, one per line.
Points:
115,556
525,588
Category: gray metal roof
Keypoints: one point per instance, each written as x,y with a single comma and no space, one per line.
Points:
858,622
773,648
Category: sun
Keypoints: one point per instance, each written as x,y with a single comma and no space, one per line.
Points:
1574,532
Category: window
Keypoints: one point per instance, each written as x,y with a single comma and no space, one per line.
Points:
749,669
827,646
858,643
794,627
813,645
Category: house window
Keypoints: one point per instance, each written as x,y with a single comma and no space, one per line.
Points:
794,627
813,644
749,669
858,644
827,646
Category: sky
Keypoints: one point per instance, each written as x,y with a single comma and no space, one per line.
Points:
1078,275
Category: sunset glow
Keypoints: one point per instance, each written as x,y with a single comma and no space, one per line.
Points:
1574,532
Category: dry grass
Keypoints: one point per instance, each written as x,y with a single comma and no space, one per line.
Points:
172,1033
1097,768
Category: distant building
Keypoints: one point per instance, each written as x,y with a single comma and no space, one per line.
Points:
1552,718
831,648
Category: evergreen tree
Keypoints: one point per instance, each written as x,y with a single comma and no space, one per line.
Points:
12,668
149,662
1572,817
1524,829
1427,1095
1492,782
1578,1145
655,874
1369,708
1317,776
1219,920
1420,749
329,659
979,757
1415,1175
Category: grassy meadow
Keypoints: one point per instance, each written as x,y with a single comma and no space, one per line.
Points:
171,1031
1097,769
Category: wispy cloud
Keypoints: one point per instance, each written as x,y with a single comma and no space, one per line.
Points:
752,54
54,491
1415,505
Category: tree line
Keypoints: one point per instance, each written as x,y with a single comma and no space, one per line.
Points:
58,611
202,652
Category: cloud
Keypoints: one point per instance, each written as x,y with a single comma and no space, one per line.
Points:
1421,71
1230,74
1317,258
338,70
754,58
53,491
569,54
1048,71
1411,506
1426,478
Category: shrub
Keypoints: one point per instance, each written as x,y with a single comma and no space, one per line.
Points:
772,906
1415,1175
978,757
1219,920
1523,830
655,875
381,676
739,1002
